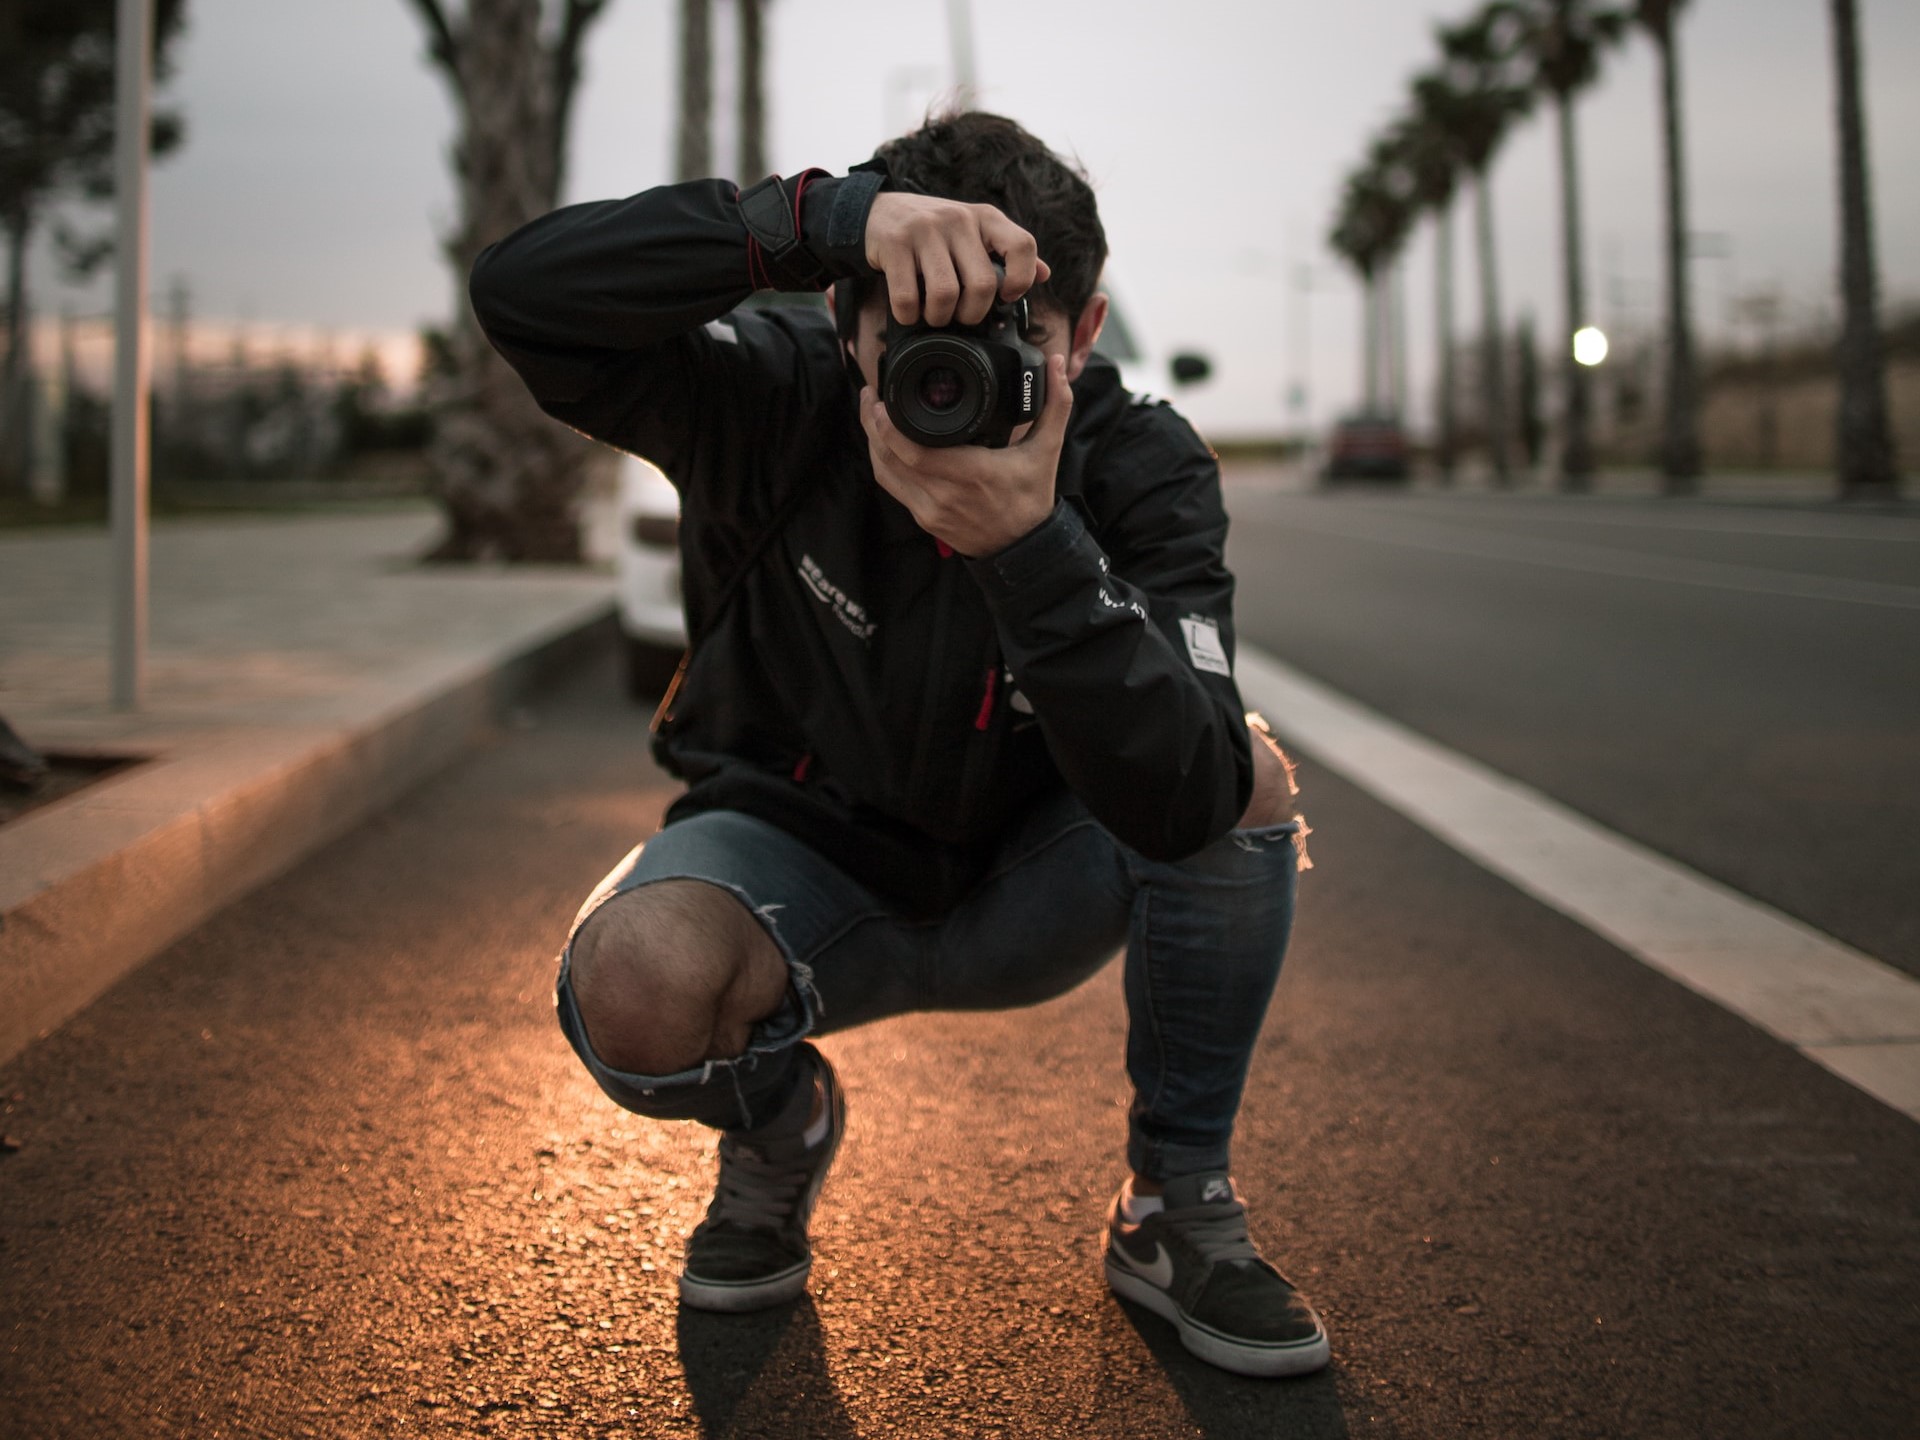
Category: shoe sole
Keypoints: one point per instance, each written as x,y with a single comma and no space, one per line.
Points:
1264,1360
736,1297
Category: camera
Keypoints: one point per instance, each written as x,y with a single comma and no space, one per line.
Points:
963,384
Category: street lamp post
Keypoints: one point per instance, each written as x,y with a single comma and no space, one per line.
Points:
966,80
1300,314
132,353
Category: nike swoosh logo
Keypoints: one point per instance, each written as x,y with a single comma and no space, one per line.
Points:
1159,1273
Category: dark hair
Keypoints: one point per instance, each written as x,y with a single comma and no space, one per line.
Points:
985,159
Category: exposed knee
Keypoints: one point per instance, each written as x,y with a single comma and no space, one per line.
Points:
1273,783
673,974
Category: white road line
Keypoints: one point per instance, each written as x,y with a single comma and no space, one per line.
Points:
1629,515
1449,539
1849,1012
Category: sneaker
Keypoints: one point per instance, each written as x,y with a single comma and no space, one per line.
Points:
1192,1263
751,1251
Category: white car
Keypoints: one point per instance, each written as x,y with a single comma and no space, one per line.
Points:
653,627
1144,370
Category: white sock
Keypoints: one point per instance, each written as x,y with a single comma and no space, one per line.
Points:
1135,1208
817,1131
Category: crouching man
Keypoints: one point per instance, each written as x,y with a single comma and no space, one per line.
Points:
960,718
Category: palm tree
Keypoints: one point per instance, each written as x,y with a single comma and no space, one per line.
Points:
1353,240
1475,100
1865,445
1433,168
1563,40
1368,231
753,93
1390,171
693,147
507,477
1680,448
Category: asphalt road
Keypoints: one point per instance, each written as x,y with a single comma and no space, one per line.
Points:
1736,686
326,1168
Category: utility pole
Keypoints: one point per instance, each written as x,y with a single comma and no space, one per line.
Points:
1300,314
132,352
966,84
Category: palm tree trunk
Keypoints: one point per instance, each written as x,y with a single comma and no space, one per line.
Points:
694,150
1370,336
507,477
1576,456
1444,427
1865,443
17,234
1397,333
753,95
1680,448
15,414
1492,342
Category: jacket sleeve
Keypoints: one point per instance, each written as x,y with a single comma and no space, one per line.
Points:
611,311
1127,658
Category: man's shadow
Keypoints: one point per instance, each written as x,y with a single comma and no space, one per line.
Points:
762,1374
766,1374
1234,1407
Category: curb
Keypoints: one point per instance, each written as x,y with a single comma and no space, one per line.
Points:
68,942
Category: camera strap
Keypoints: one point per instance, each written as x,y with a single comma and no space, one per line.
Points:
663,713
777,258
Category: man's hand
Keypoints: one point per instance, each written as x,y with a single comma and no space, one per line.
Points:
977,500
947,247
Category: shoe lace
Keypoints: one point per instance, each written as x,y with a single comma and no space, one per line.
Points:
755,1190
1218,1232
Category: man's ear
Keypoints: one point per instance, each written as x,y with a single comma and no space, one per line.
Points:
1086,330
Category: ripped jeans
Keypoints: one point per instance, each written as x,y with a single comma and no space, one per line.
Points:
1204,939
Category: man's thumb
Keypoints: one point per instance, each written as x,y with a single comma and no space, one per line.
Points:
1059,395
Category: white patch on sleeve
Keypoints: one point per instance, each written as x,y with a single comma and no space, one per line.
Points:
1203,645
723,330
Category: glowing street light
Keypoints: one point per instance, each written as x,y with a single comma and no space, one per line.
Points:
1589,345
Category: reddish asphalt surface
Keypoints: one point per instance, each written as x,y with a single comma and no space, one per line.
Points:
327,1168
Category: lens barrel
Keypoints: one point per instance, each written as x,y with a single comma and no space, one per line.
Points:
938,388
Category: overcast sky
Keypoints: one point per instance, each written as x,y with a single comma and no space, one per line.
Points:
313,183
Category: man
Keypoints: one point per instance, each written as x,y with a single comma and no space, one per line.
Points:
958,722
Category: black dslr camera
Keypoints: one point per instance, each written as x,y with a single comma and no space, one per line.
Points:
963,384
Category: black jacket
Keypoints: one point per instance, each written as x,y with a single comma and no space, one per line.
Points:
893,706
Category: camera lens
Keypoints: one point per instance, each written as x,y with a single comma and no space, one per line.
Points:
940,388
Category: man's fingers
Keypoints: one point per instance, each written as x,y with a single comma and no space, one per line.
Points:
886,436
1017,251
917,240
895,481
903,288
883,435
980,286
940,283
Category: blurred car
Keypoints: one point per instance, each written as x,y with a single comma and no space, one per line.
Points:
652,625
1368,447
1143,369
653,628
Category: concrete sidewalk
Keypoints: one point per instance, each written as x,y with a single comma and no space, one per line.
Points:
303,672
